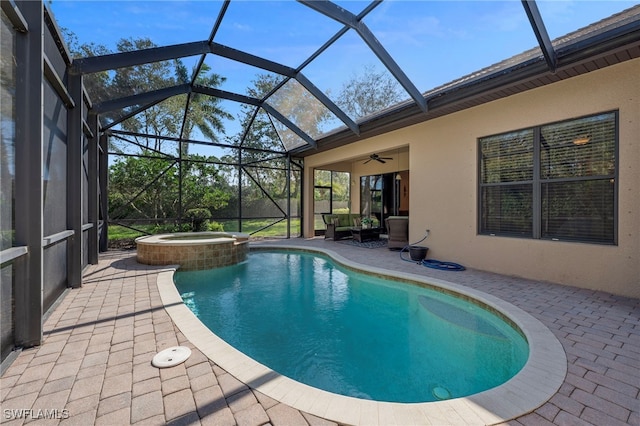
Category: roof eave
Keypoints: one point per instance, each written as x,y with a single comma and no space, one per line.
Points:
577,57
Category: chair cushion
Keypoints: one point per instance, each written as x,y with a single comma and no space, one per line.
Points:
342,220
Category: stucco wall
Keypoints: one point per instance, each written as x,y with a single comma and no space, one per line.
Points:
443,193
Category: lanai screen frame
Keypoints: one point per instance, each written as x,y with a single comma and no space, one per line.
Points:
143,101
48,60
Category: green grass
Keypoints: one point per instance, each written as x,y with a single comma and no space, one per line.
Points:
277,230
252,225
119,233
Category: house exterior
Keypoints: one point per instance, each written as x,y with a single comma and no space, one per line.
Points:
452,194
528,168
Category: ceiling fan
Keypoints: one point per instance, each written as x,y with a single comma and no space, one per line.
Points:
378,158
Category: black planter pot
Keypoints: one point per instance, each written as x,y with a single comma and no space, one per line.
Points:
418,253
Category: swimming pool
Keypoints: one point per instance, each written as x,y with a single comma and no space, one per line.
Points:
532,386
354,334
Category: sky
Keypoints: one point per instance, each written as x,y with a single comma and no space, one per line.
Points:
433,42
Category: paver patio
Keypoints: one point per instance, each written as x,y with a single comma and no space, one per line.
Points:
94,366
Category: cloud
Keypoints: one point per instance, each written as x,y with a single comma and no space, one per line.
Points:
242,27
509,17
421,31
562,11
136,9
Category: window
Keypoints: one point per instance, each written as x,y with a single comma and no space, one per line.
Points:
556,181
331,195
7,180
7,132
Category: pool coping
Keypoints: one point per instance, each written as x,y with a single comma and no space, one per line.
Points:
539,379
216,237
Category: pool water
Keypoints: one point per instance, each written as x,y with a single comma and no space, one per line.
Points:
353,334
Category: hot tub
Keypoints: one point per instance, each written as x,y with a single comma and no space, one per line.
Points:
193,250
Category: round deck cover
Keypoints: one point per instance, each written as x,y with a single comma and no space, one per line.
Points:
171,357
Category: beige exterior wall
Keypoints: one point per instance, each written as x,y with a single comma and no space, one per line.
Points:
442,160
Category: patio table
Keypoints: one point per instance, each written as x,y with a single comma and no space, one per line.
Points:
365,234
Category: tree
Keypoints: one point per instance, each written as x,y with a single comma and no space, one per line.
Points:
261,135
205,112
369,92
262,143
204,185
128,178
165,118
150,185
133,194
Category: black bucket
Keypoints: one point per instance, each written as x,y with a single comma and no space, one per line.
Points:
418,253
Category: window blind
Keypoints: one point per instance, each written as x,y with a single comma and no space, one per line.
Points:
567,191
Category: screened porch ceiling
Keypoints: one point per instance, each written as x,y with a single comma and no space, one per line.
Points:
428,49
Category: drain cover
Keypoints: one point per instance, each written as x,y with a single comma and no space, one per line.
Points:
171,357
441,393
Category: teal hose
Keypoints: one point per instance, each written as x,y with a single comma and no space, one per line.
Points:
432,263
443,266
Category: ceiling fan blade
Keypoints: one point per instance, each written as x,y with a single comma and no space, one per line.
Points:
367,161
381,160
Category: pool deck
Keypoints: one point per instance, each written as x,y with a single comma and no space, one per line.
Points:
94,366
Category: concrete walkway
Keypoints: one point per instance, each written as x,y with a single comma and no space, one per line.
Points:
94,366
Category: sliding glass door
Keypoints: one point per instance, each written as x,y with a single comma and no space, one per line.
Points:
379,196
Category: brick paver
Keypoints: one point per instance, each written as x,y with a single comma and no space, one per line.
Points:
99,340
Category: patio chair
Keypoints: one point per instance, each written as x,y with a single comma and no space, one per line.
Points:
398,231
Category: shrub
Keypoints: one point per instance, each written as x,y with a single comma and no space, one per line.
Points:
199,219
215,226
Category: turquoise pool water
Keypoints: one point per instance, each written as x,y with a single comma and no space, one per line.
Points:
353,334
